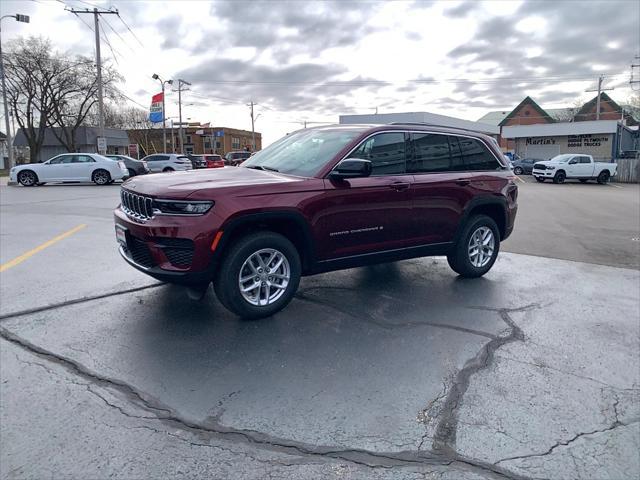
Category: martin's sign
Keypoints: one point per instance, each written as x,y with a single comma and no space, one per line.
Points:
541,141
155,112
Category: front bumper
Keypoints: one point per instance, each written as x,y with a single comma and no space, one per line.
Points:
543,173
175,249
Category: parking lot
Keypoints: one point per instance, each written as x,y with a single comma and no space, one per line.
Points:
393,371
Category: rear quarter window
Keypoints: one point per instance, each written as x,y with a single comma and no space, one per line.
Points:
470,154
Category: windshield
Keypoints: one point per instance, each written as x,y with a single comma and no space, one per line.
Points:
302,153
564,158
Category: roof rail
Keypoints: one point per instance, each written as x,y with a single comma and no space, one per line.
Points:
436,125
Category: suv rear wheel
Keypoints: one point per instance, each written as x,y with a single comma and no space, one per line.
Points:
477,248
259,275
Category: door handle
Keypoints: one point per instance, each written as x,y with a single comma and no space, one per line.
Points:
463,182
400,186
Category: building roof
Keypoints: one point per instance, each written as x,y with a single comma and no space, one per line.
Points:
420,117
527,100
560,129
494,118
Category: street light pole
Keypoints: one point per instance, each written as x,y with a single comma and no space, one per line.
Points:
23,19
155,76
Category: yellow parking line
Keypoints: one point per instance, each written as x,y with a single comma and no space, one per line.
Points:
520,179
39,248
612,185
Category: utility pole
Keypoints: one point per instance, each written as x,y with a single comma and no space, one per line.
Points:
599,90
102,141
253,132
632,82
180,90
24,19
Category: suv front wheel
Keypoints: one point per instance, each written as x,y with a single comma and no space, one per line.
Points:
477,248
259,275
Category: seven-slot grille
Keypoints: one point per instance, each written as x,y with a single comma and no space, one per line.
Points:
539,166
136,206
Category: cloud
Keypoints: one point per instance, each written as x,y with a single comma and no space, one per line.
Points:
462,10
571,42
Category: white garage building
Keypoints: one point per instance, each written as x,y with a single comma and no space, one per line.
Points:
603,139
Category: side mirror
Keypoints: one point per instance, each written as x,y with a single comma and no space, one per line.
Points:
351,168
573,161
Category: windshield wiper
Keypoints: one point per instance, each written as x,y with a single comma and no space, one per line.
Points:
262,167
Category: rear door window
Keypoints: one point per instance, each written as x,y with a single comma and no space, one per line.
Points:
429,153
386,152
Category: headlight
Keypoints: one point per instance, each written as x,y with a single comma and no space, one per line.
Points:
550,168
178,207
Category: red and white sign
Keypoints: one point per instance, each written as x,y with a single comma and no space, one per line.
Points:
156,114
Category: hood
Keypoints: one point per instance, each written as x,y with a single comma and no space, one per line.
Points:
179,185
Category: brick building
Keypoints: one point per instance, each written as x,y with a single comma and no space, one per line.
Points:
198,139
528,112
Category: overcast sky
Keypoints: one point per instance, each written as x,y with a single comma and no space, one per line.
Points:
314,60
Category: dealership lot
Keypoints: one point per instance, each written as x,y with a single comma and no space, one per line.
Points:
393,371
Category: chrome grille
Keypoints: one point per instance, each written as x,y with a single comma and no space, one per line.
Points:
137,206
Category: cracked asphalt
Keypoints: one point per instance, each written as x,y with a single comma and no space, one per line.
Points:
398,371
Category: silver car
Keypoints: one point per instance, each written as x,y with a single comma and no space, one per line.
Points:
167,162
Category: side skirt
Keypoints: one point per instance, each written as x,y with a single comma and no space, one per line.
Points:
380,257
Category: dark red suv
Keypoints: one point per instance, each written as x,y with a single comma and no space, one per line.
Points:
317,200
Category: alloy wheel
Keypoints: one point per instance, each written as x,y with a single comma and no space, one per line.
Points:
27,178
481,247
101,178
264,277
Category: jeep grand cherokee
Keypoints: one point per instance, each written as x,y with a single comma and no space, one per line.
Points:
317,200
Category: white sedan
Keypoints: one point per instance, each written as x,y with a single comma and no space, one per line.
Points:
70,167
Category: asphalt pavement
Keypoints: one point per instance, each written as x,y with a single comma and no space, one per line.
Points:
395,371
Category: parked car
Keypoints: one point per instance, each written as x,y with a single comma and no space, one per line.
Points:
197,161
70,167
321,199
236,158
524,165
569,166
134,167
167,162
214,161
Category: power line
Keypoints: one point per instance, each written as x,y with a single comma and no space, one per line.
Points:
130,31
350,83
119,36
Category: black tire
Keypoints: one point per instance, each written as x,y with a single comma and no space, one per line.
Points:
132,172
540,179
227,281
604,177
28,178
101,177
518,171
459,257
559,177
168,169
584,180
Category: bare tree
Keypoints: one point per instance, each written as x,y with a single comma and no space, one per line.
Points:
74,103
48,89
569,114
136,121
33,76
